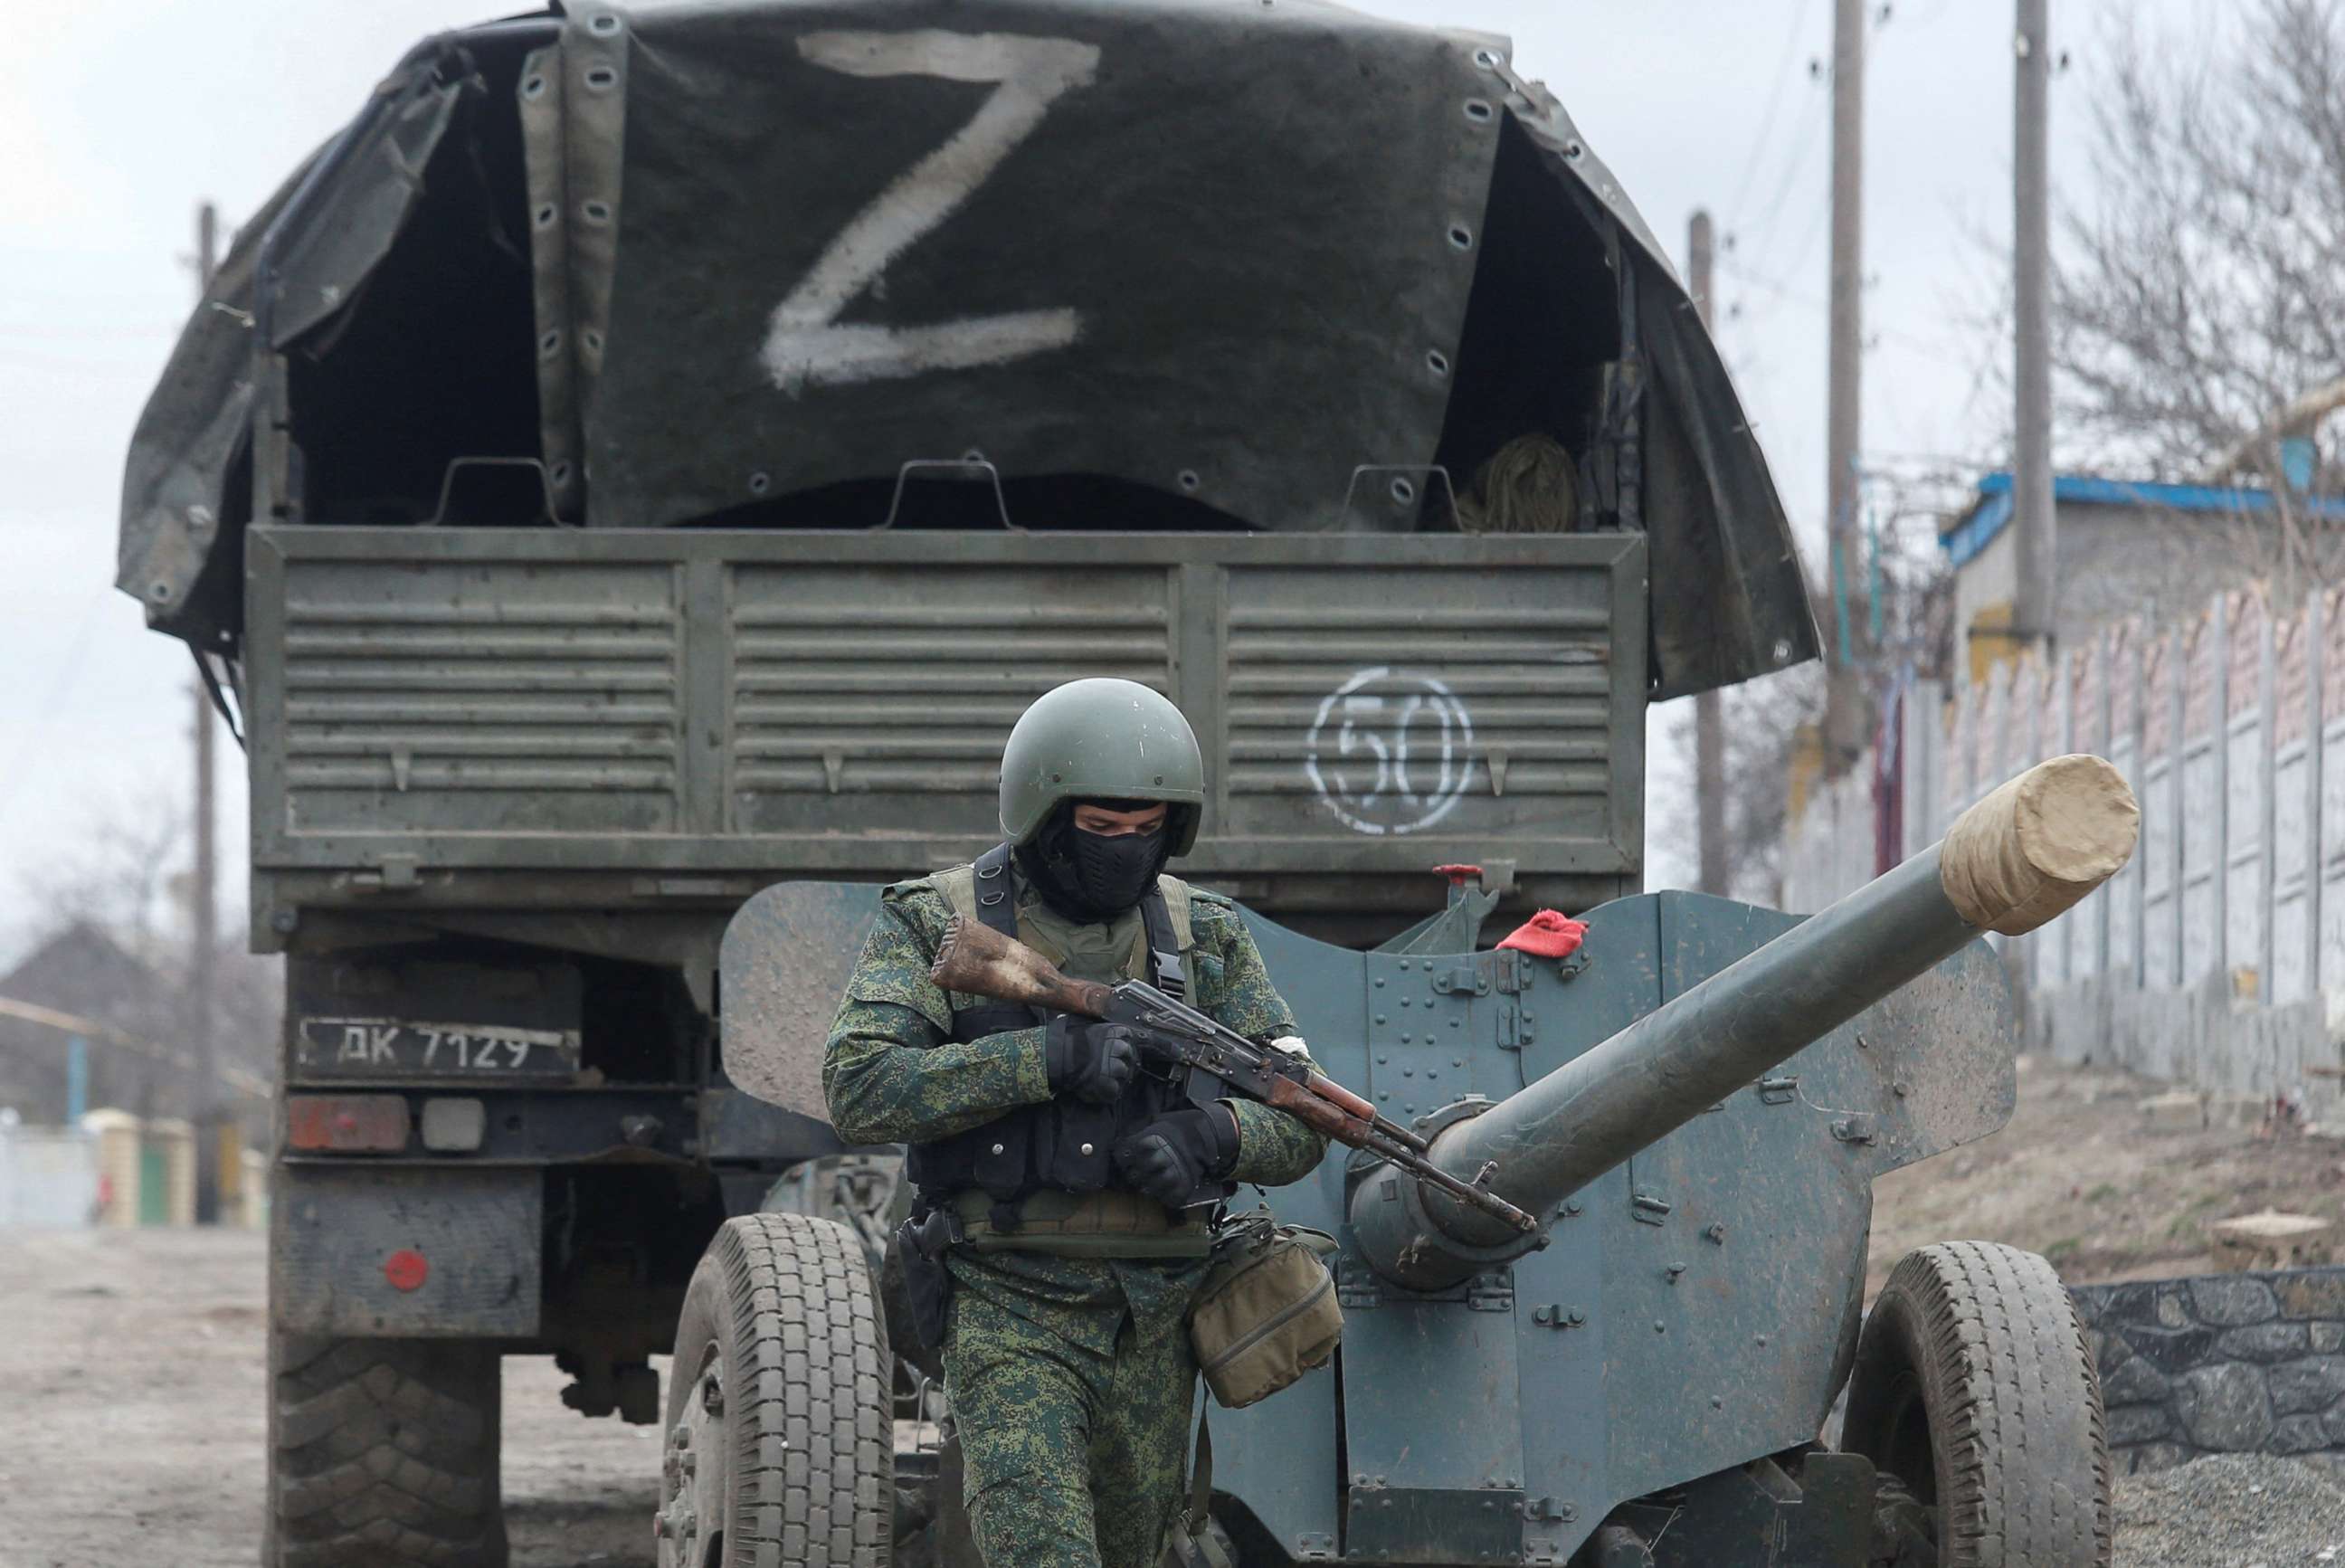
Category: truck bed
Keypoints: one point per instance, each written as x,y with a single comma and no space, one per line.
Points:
534,717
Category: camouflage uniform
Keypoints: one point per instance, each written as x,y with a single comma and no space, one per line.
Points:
1070,1378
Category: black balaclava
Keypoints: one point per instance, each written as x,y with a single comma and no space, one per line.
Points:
1093,877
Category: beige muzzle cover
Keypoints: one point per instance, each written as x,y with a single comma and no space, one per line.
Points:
2034,848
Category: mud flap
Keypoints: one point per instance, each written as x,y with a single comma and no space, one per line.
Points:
369,1252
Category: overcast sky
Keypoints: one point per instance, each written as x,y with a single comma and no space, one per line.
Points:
117,117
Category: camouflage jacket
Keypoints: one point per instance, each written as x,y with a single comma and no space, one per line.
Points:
891,1072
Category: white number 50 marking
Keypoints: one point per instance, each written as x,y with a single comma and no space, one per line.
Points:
806,345
1390,752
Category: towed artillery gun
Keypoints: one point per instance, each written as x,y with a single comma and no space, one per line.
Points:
1692,1106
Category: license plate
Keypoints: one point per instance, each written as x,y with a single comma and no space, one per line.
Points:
377,1047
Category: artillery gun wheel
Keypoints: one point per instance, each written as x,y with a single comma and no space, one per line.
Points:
779,1433
383,1454
1974,1387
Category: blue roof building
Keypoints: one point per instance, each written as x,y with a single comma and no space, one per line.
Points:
2125,547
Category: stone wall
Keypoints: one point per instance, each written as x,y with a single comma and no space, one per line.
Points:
2226,1363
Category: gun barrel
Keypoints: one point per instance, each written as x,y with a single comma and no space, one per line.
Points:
2017,858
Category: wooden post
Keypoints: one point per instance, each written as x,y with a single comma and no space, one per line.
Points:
1708,707
204,1109
1846,699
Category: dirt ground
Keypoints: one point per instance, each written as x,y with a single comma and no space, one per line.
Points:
131,1362
2076,1178
131,1426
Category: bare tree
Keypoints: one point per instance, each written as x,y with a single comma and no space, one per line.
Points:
1906,572
2197,292
1765,720
118,874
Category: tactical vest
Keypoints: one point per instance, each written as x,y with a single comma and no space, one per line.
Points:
1061,1144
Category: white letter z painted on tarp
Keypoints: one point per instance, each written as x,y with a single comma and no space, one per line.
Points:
805,344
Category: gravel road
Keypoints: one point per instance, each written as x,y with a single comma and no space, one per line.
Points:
2234,1510
131,1371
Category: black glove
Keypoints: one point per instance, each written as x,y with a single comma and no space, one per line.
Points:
1173,1155
1093,1062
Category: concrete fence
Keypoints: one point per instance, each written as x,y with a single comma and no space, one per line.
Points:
2212,958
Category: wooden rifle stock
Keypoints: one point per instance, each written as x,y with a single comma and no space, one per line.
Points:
976,960
1321,1115
1327,1088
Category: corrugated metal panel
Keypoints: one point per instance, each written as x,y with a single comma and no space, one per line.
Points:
867,700
1406,700
797,703
409,702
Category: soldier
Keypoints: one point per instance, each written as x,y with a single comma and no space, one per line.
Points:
1066,1183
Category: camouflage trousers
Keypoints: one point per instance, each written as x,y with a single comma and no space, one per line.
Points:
1073,1459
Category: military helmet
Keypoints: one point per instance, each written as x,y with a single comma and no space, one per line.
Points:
1102,740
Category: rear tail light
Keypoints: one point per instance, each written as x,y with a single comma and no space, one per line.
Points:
346,1123
455,1127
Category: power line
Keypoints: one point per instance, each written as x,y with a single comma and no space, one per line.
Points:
1879,18
1790,295
1887,458
1808,241
68,671
1774,102
1801,156
50,362
52,333
1929,17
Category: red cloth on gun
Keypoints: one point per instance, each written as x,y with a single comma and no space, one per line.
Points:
1548,934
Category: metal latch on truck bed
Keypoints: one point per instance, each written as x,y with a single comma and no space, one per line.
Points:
393,873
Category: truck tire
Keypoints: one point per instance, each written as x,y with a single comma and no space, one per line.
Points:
1974,1387
780,1434
383,1454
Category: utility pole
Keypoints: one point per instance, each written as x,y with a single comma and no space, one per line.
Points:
1709,710
1847,634
2036,612
204,912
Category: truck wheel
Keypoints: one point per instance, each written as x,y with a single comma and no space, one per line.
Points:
1974,1387
383,1454
780,1441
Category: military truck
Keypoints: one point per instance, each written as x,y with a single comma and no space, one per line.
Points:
643,459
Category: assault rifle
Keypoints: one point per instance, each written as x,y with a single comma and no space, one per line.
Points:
977,961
